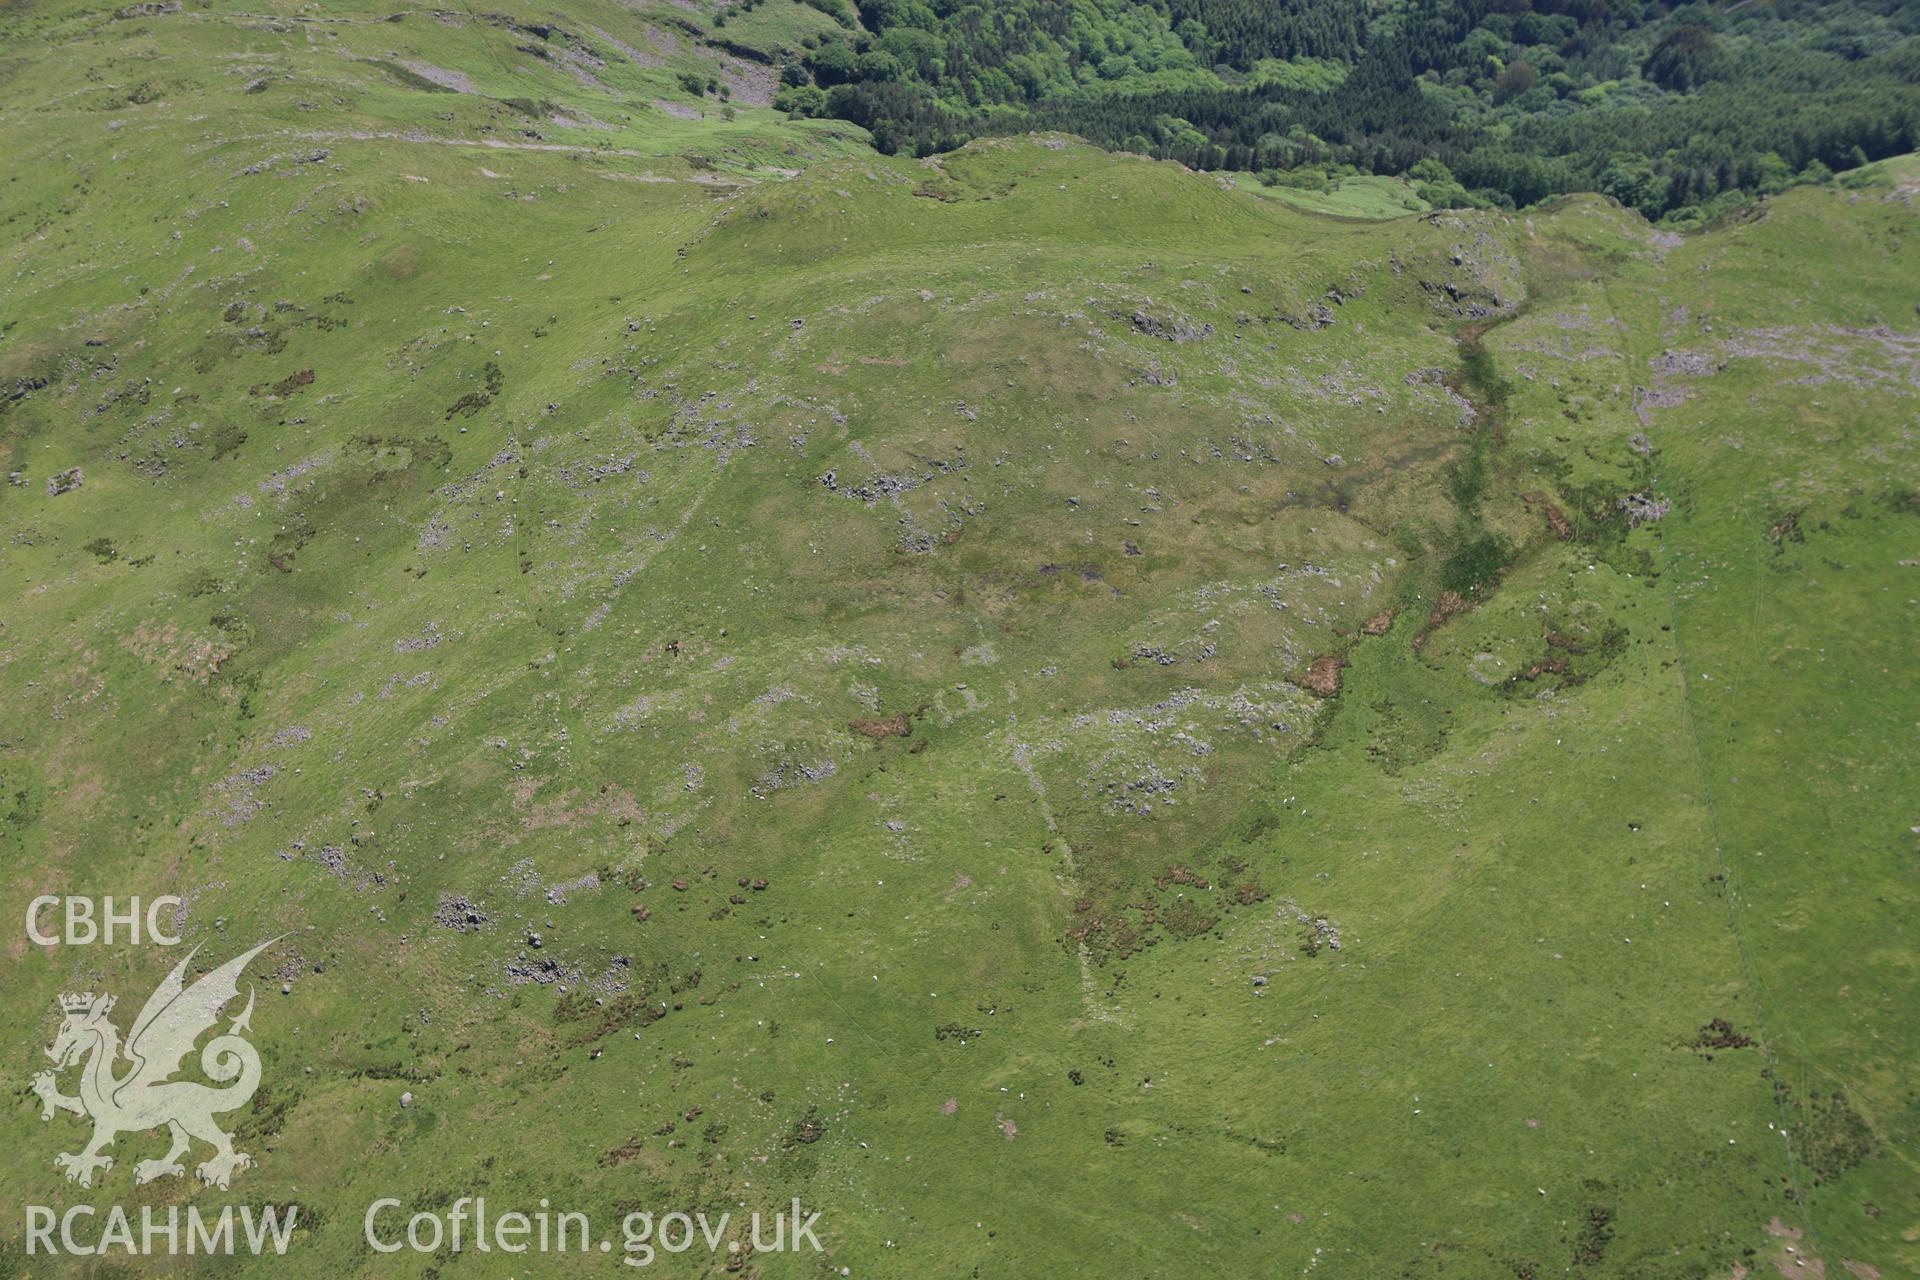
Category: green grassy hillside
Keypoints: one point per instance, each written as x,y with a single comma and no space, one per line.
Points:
1077,718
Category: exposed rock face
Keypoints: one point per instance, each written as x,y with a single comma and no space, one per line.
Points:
1643,508
459,913
1174,329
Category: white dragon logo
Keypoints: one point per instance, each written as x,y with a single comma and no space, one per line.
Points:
174,1016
